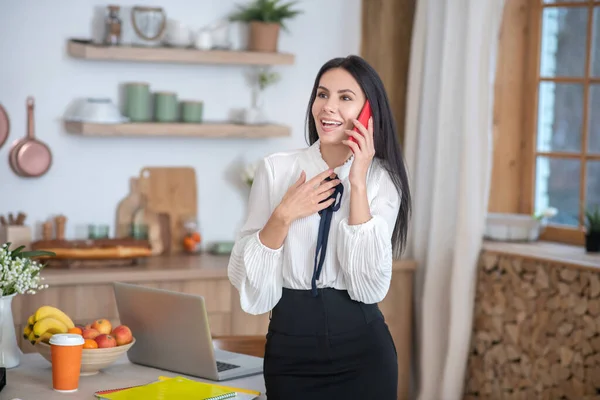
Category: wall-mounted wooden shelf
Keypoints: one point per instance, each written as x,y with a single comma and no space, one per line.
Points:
88,51
208,130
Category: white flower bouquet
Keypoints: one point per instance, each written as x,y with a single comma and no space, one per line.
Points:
19,274
546,214
248,174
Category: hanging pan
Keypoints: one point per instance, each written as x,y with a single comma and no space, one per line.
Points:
4,125
29,157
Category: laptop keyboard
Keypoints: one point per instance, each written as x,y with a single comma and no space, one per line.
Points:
221,366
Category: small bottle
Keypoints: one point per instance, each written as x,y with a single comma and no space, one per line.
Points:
191,237
112,35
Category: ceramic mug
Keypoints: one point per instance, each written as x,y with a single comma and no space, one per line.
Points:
178,34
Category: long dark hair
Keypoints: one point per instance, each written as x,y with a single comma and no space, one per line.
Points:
387,146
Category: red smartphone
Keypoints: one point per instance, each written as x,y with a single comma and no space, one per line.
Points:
363,118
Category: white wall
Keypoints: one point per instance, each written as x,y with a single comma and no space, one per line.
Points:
90,175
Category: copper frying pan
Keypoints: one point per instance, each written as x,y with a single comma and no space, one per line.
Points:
29,157
4,125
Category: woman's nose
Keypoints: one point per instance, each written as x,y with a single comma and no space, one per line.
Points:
329,107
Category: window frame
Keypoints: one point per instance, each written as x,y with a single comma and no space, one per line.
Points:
554,233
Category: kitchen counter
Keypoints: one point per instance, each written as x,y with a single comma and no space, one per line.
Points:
87,294
160,268
32,379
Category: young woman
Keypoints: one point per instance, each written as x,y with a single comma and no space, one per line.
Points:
316,249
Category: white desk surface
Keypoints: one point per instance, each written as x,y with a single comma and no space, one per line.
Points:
32,380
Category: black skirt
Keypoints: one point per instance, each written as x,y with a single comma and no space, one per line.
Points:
328,347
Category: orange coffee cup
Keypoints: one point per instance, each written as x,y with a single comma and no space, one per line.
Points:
66,350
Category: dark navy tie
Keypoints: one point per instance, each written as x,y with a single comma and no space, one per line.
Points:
324,226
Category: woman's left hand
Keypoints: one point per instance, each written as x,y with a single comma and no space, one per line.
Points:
364,151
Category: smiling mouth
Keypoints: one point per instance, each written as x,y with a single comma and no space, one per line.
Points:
328,123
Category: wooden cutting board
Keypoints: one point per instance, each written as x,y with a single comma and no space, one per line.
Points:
171,191
126,209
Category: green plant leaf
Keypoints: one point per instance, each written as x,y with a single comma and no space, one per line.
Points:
15,252
593,219
37,253
269,11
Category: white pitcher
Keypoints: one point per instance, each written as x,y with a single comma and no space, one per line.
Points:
10,353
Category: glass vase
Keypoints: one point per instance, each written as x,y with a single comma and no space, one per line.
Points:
256,113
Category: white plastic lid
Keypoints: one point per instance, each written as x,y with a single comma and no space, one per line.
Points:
66,339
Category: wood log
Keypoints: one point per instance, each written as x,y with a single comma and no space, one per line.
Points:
581,305
542,280
563,289
565,329
594,286
568,274
589,326
566,356
512,332
553,303
594,307
578,371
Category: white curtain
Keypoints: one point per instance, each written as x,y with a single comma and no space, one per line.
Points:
448,145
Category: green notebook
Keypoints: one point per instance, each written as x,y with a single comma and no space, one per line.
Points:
175,388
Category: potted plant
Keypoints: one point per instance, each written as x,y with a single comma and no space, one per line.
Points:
19,274
592,235
265,18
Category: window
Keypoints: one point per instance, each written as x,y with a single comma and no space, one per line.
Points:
563,115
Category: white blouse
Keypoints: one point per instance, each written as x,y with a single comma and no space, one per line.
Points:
358,258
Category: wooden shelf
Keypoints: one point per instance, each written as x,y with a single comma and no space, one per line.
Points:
88,51
208,130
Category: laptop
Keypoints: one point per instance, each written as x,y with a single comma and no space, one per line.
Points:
172,333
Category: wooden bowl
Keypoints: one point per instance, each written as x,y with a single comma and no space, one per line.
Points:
92,360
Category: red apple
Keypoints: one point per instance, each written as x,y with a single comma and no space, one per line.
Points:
102,326
89,333
122,335
105,341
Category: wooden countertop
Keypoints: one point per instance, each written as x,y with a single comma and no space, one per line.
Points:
161,268
557,253
32,379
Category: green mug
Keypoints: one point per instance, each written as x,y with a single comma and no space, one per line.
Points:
191,111
137,102
165,107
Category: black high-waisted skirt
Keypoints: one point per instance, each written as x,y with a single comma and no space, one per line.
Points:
328,347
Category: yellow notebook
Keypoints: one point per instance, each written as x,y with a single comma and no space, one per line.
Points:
175,388
235,389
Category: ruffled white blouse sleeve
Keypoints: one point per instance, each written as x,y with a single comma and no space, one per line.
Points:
365,250
254,269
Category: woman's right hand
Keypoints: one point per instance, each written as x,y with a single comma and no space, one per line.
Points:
305,198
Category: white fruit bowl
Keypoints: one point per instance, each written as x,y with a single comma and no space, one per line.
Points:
92,360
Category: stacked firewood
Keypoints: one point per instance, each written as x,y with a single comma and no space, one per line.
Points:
536,331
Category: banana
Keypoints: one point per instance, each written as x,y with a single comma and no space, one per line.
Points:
49,311
31,338
27,331
49,324
31,320
44,338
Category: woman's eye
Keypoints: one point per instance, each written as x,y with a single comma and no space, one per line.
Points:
346,98
322,95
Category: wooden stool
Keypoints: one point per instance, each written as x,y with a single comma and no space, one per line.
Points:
250,345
